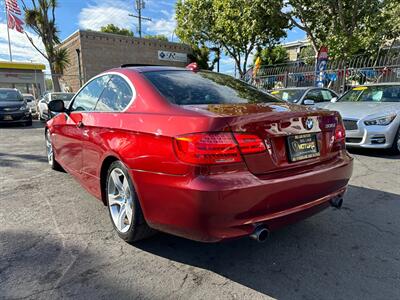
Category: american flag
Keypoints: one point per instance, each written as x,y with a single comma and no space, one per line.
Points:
12,9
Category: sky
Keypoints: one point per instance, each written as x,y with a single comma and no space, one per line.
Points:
93,14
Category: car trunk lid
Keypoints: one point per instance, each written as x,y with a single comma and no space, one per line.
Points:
279,125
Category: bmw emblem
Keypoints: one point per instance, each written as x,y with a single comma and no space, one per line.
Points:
309,124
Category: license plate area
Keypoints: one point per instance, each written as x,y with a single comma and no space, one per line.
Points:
7,118
303,146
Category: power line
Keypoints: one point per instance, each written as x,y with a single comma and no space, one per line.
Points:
139,5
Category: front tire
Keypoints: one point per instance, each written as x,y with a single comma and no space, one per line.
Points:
395,149
123,205
50,153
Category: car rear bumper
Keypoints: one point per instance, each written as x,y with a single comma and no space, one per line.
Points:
226,206
16,117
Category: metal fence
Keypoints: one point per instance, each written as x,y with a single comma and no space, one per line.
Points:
339,76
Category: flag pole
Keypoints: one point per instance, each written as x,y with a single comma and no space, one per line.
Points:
8,32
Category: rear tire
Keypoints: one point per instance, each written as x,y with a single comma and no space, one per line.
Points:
50,154
123,205
395,149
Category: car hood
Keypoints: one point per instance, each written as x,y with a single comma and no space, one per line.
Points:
11,104
360,110
225,110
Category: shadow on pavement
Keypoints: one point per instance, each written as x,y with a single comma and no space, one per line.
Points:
339,254
381,153
351,253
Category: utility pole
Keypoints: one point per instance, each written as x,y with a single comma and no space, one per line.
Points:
139,5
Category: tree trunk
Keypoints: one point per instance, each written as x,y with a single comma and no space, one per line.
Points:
55,79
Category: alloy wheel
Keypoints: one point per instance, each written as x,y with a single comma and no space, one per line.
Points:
120,200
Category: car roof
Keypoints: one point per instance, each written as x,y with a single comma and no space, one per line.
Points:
142,69
9,89
380,84
299,88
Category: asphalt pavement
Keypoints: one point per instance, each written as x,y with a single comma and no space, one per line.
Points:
56,241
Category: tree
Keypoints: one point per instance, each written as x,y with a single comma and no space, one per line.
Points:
236,26
307,55
160,37
272,55
346,27
40,17
111,28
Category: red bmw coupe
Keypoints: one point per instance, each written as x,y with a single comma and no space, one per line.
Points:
197,154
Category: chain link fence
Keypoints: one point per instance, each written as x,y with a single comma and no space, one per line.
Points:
340,75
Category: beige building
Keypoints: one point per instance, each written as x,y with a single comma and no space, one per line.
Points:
99,51
294,48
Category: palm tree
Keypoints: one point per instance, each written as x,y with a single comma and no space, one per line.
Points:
40,17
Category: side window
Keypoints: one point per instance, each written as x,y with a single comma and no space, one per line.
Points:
87,98
47,98
327,95
116,96
315,95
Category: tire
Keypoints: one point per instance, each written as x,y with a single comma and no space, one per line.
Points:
40,118
122,201
29,123
395,149
50,154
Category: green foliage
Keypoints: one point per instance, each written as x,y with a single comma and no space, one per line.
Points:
346,27
237,26
272,55
40,17
160,37
200,55
61,60
307,54
111,28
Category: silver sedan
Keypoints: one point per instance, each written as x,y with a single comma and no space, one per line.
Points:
371,115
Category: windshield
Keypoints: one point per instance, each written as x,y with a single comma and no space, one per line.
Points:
10,95
386,93
62,96
190,88
291,95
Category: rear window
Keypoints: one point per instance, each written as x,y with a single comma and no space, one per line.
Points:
292,96
10,95
191,88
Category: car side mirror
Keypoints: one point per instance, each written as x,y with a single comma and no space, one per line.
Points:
308,102
56,106
334,99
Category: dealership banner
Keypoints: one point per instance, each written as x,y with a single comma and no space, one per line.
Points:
172,56
322,62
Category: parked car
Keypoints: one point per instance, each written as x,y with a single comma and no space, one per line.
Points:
371,115
13,108
43,112
30,100
197,154
306,95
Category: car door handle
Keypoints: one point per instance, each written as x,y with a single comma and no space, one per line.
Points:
79,124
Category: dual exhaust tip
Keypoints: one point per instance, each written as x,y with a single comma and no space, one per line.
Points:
261,233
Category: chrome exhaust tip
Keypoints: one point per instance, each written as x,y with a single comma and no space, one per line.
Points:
337,202
260,234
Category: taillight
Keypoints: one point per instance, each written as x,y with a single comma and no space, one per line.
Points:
249,143
340,132
216,148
